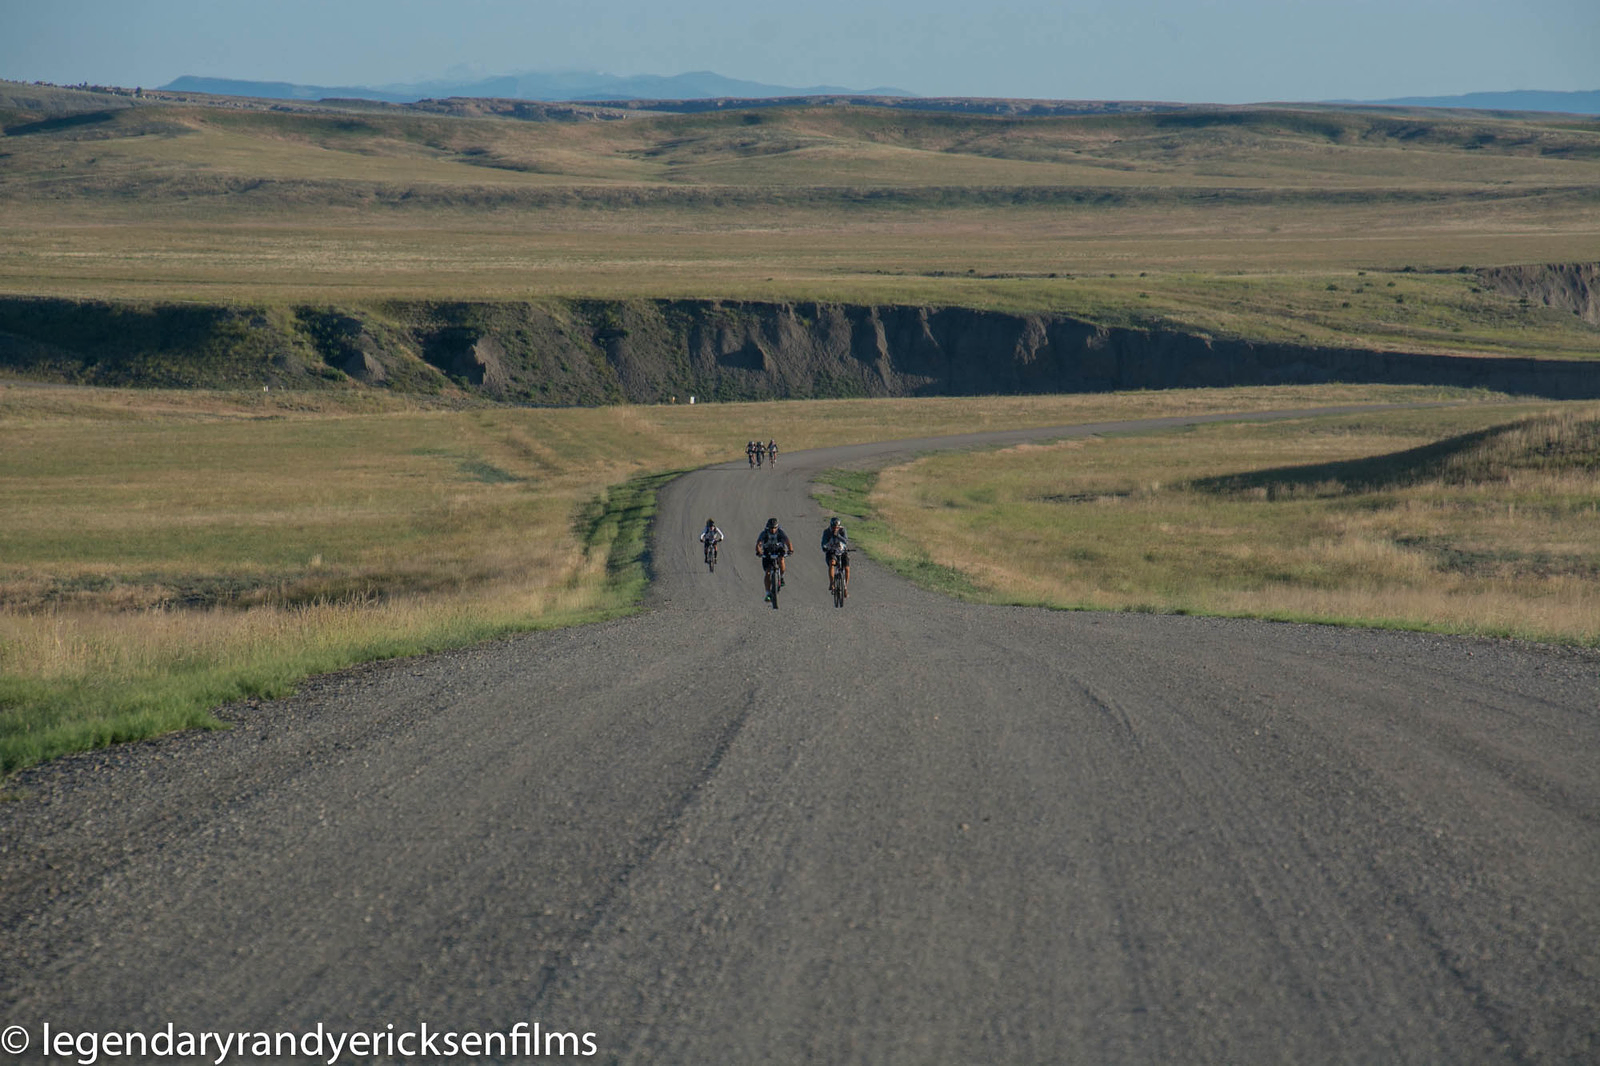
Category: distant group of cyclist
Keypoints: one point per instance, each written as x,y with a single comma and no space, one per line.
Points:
773,547
758,453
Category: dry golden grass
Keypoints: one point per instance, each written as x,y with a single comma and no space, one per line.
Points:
144,498
838,204
1294,521
331,529
312,532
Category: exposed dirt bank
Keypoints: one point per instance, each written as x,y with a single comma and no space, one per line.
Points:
1571,287
595,352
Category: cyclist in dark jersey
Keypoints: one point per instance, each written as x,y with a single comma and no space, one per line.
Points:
834,544
773,546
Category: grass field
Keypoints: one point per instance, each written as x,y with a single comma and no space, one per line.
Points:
167,552
170,551
1254,223
1464,520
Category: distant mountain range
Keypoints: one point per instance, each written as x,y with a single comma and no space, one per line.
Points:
700,85
706,85
1585,103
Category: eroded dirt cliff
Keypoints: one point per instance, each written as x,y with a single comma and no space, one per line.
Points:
1571,287
595,352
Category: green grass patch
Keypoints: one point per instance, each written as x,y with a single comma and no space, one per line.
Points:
615,526
849,493
43,718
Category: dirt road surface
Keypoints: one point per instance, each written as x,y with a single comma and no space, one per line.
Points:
906,830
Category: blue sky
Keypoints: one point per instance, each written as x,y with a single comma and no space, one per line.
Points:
1194,51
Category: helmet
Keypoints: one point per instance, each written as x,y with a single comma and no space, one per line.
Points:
833,521
709,523
772,523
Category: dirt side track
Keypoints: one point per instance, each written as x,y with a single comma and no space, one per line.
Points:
909,830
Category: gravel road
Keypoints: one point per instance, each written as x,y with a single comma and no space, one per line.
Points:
908,830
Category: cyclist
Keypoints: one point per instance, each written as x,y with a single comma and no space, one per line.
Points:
773,546
834,545
760,452
711,536
772,451
750,452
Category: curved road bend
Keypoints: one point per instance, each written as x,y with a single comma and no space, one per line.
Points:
909,831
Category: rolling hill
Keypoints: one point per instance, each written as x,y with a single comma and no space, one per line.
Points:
1319,229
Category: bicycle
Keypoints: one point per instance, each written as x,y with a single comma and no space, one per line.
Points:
711,555
772,580
840,585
